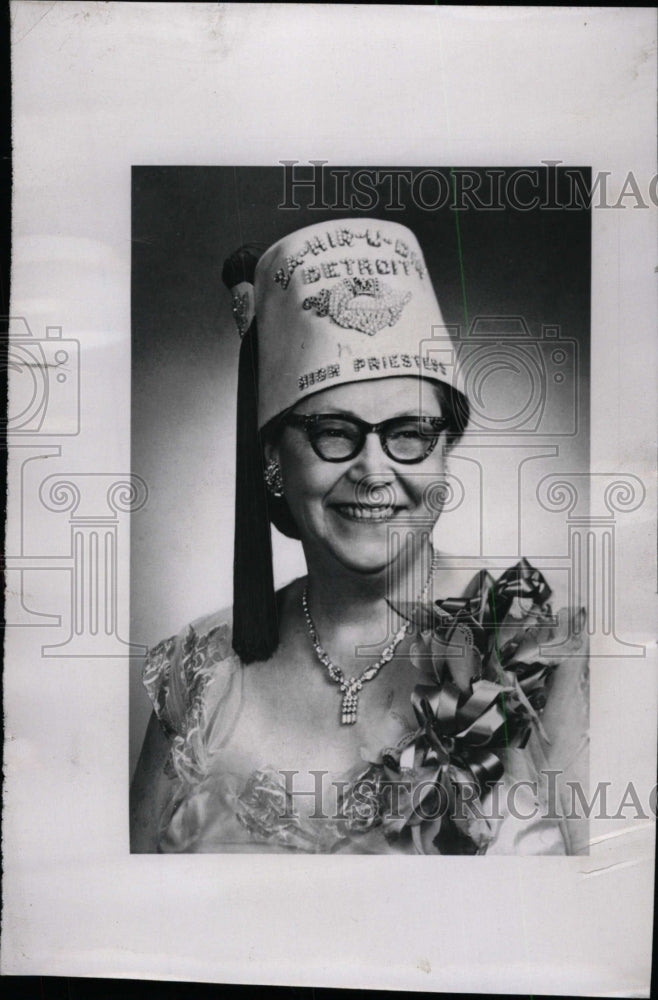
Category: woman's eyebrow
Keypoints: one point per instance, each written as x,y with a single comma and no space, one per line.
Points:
332,411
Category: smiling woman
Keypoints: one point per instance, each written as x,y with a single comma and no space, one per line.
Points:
439,716
331,455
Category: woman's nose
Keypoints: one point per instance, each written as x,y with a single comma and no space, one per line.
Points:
372,462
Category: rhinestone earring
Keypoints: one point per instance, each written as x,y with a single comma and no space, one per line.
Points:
273,478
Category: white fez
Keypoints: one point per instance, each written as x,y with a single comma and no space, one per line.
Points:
342,302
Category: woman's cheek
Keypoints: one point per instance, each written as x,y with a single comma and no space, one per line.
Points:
304,504
429,492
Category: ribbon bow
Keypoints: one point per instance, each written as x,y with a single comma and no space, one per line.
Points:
486,603
482,698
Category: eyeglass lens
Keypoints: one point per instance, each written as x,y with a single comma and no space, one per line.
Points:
406,440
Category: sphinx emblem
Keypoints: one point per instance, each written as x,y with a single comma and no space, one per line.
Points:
364,304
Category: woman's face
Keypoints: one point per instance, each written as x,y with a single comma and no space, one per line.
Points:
350,510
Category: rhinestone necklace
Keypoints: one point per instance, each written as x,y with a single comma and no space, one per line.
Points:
350,688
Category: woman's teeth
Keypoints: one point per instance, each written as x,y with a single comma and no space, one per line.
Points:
366,513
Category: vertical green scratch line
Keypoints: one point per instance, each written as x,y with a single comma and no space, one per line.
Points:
459,250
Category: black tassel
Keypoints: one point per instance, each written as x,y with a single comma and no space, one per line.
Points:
240,266
255,618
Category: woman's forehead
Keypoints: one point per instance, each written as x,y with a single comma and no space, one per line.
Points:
377,399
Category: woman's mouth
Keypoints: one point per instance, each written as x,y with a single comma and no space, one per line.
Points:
357,512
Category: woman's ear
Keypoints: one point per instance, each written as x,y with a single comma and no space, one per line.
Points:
270,452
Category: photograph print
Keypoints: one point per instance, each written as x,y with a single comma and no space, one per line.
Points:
360,404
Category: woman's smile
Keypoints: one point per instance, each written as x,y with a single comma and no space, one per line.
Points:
366,514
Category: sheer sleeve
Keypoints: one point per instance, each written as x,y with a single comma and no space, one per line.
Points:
191,681
563,757
161,678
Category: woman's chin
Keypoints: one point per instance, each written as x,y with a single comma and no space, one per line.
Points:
369,558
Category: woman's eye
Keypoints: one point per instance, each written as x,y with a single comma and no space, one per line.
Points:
410,433
334,431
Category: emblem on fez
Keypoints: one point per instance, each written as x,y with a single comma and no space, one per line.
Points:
364,304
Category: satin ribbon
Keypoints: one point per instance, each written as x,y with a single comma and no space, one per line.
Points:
485,603
463,733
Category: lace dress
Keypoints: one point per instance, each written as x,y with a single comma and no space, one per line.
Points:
195,683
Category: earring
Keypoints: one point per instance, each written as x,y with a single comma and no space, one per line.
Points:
273,478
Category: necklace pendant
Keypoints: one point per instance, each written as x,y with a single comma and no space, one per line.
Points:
349,708
350,688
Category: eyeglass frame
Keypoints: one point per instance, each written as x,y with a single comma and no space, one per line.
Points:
306,421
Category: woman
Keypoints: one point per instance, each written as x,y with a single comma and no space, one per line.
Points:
336,715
